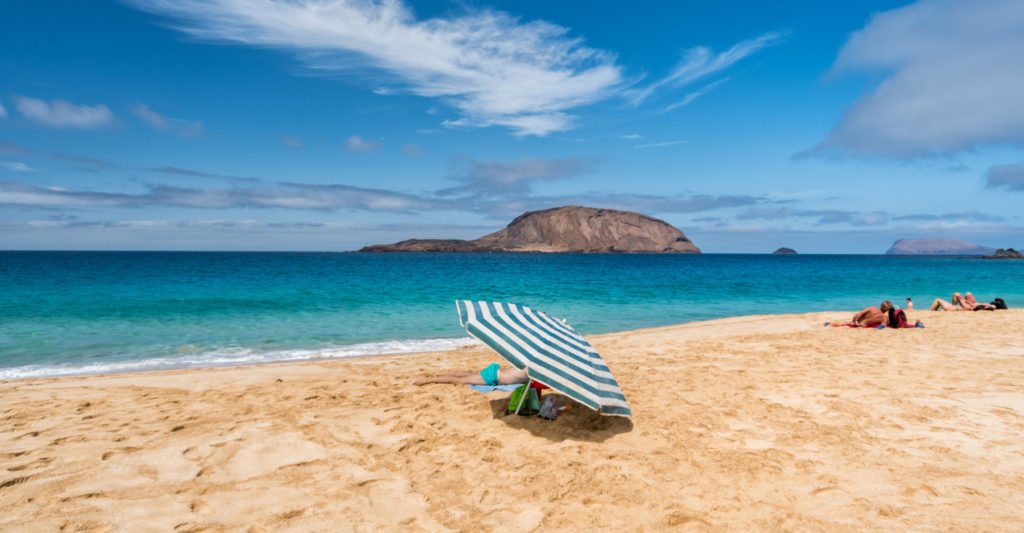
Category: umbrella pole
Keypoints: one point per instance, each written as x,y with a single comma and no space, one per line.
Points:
522,399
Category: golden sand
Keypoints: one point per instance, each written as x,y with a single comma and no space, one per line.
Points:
766,423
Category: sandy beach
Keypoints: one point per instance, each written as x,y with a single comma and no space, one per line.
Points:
760,423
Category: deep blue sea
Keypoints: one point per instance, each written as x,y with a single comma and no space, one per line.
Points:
86,312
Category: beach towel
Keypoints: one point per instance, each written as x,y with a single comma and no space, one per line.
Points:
492,388
917,324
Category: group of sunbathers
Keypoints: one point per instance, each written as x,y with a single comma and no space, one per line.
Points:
888,315
966,302
885,315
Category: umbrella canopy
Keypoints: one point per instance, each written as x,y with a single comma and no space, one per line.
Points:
550,351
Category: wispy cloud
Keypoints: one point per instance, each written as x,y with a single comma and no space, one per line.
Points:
411,150
949,217
823,216
184,128
951,84
298,196
3,112
690,97
357,144
7,147
292,143
1006,176
16,166
491,67
701,62
496,178
64,114
632,136
660,144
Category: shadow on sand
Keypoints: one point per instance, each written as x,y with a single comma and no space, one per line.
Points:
579,423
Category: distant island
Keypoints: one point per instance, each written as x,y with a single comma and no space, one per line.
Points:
784,251
571,228
937,247
1008,253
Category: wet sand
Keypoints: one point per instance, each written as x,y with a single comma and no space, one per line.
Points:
761,423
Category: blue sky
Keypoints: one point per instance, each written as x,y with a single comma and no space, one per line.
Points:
828,127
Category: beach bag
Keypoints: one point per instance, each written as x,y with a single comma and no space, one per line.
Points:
531,404
999,303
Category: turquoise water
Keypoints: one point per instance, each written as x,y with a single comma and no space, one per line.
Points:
83,312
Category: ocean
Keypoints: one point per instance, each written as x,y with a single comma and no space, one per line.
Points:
67,313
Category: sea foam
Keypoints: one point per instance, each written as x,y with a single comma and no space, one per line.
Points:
236,357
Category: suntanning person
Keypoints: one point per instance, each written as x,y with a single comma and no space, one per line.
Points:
872,316
958,304
975,304
493,375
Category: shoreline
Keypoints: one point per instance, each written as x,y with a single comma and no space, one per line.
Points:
762,422
467,342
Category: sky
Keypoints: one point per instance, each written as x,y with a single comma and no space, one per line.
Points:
328,125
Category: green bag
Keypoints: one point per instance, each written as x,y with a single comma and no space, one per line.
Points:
531,404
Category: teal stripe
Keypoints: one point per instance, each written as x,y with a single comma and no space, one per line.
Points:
558,353
488,330
559,356
587,360
514,341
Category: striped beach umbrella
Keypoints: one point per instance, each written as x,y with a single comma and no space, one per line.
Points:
551,352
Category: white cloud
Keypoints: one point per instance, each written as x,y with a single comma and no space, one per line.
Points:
3,112
64,114
293,143
690,97
660,144
1009,176
491,67
632,136
16,166
700,62
412,150
184,128
357,144
495,178
300,196
953,81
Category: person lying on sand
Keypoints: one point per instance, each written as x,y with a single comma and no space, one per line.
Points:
872,316
493,375
975,304
958,304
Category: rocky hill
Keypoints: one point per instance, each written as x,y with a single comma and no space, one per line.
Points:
565,229
784,251
937,247
1008,253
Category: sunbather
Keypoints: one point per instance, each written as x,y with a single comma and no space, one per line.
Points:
872,316
493,375
958,304
976,305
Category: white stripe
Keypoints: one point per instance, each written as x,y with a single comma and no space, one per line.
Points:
554,324
594,357
554,364
554,342
483,322
557,364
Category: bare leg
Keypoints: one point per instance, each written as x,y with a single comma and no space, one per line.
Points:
512,376
939,303
456,374
453,378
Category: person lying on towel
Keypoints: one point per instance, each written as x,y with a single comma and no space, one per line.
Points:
886,315
872,316
493,375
